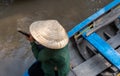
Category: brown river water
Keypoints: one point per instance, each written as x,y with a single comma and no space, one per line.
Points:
15,51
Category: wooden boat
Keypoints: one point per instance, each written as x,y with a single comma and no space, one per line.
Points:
95,44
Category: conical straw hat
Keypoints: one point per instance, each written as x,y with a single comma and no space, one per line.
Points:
49,33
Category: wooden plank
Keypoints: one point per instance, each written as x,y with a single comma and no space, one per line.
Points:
92,66
104,48
107,19
115,41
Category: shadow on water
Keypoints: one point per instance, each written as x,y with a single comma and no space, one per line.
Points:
15,53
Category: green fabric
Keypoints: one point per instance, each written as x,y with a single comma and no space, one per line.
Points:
51,58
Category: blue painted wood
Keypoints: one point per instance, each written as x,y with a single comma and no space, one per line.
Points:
93,17
104,48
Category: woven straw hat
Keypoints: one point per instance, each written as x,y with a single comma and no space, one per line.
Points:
49,33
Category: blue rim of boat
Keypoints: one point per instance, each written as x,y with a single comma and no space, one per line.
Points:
93,17
88,20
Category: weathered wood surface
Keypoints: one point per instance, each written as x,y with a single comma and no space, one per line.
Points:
115,41
92,66
85,49
97,64
107,19
75,58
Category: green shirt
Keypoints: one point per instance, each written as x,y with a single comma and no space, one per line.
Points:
51,58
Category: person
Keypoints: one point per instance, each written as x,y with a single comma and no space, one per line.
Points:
51,52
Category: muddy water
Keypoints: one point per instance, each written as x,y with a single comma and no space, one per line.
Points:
15,53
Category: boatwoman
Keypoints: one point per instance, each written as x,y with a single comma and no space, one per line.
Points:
52,52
